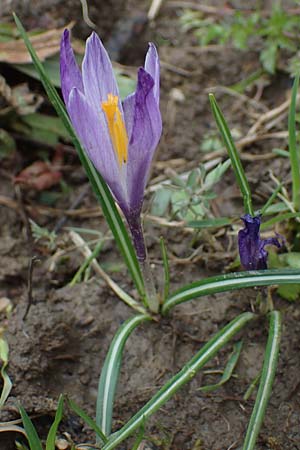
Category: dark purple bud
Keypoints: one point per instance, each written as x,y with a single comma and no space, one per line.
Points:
253,255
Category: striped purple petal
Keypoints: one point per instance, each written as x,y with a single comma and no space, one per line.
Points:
69,71
92,132
142,115
97,73
152,66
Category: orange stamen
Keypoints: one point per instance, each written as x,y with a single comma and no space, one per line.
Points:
116,127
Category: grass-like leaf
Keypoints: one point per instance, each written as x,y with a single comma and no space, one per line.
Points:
293,150
216,222
110,373
166,268
32,436
266,381
50,443
7,384
99,186
280,218
230,282
87,419
232,362
233,154
208,351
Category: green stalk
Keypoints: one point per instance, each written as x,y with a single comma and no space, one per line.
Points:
233,154
293,150
208,351
266,381
230,282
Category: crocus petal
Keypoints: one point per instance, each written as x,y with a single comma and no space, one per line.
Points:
153,68
252,251
69,71
92,132
248,240
144,126
97,73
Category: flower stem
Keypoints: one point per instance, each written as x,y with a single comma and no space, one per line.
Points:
151,294
137,233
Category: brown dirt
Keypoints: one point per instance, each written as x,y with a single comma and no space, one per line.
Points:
61,346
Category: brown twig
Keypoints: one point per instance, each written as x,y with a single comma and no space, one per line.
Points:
33,259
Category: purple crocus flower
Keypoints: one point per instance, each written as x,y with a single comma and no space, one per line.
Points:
253,255
119,137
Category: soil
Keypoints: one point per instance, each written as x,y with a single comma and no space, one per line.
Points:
60,346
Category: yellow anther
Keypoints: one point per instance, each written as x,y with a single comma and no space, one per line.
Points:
116,127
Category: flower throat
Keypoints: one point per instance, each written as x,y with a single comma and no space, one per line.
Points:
116,127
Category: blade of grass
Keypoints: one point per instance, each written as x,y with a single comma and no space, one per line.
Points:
139,438
187,373
7,384
32,436
266,381
166,268
271,199
232,362
233,154
280,218
94,254
87,419
251,387
293,150
229,282
99,186
110,373
50,443
210,223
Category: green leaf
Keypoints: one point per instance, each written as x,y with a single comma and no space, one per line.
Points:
161,202
100,188
86,264
50,443
51,68
266,381
293,148
230,366
7,144
87,419
110,373
279,218
230,282
268,57
7,384
166,268
186,374
45,128
215,175
210,223
233,154
290,292
139,438
32,436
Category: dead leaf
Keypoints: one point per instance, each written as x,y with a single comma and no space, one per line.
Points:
41,175
46,43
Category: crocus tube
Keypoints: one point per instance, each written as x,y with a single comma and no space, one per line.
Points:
252,251
120,137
